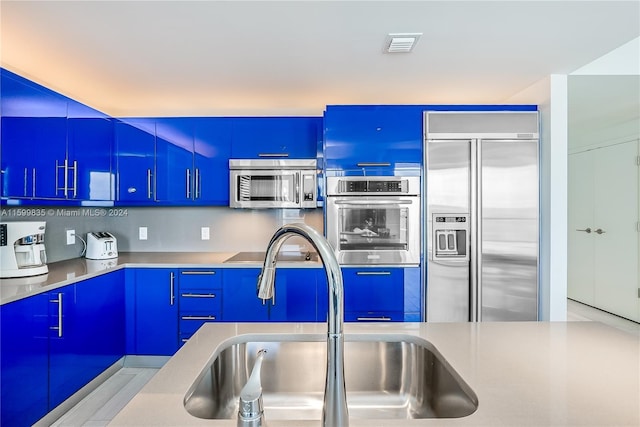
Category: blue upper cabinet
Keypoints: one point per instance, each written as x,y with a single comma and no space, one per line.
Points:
70,146
135,154
375,139
275,137
211,151
89,158
174,160
34,134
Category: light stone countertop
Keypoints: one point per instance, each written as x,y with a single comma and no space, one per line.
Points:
523,373
64,273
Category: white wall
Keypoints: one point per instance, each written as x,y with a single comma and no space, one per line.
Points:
550,94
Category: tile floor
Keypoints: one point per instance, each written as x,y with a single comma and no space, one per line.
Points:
99,407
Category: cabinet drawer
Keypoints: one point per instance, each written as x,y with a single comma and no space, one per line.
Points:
198,300
189,323
373,289
200,279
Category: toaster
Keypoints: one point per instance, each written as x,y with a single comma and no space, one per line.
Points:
101,245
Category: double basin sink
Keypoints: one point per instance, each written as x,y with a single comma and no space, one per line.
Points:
388,377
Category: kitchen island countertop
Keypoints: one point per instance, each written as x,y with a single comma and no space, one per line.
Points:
523,373
66,272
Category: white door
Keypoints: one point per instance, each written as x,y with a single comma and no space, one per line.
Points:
603,218
581,285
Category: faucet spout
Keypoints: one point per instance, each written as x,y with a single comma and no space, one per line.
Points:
335,412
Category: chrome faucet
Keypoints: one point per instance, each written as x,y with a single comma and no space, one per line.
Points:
335,412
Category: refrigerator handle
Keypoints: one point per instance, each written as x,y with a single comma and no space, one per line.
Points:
475,293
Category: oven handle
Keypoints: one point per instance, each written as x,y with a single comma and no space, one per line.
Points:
373,202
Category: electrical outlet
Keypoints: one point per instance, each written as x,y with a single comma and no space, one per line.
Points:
142,233
204,233
71,237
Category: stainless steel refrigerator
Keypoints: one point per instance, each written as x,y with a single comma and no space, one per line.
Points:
482,214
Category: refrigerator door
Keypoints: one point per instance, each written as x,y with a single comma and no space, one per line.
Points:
508,205
448,193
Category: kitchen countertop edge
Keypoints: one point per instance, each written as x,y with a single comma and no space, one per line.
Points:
67,272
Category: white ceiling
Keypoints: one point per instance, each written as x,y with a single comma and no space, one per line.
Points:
193,58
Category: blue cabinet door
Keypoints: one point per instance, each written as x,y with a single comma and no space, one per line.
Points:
382,138
156,312
240,302
89,158
135,146
275,137
212,150
296,298
174,161
373,293
87,333
24,362
32,147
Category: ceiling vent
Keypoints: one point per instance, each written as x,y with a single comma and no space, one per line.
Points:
401,42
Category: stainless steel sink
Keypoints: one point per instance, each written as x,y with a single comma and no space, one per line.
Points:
385,379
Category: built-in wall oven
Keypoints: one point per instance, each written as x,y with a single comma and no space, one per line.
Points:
374,220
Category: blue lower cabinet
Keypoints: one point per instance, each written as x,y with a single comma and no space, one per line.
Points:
55,343
295,298
373,294
155,307
200,299
240,302
24,365
87,326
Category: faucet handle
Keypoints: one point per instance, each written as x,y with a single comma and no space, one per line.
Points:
251,408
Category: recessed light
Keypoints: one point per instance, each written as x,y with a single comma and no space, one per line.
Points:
401,42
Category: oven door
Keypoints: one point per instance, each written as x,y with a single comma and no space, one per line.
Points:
264,189
374,230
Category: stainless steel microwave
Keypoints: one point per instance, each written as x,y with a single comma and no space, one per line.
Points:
273,183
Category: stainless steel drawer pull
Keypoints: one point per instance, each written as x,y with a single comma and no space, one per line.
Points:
373,319
199,295
600,231
373,273
586,230
372,164
195,273
198,317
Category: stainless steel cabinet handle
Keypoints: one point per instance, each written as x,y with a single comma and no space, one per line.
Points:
297,187
196,273
24,190
75,178
373,319
33,183
372,164
197,184
190,295
188,171
600,231
148,183
171,284
198,317
59,327
586,230
373,273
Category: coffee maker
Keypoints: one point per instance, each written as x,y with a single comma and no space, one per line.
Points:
22,251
